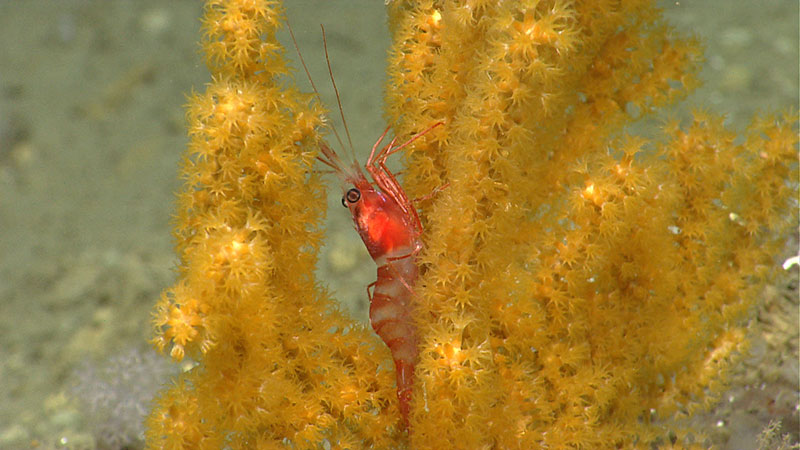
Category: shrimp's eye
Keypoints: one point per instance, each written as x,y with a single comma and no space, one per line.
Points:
352,196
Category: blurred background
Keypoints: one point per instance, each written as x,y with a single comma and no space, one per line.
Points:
91,133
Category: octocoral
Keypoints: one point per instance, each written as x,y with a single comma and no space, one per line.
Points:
575,282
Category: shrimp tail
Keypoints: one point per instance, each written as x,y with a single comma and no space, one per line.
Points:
405,381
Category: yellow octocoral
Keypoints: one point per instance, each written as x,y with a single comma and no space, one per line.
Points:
273,352
575,283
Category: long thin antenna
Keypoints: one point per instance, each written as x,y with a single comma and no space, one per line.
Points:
314,86
336,90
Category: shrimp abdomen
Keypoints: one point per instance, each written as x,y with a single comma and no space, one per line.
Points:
390,317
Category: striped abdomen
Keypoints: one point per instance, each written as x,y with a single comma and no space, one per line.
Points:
390,316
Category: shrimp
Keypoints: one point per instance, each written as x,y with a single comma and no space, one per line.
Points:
389,225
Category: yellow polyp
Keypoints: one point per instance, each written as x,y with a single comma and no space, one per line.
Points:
435,18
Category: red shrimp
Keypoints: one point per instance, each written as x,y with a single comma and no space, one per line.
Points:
389,226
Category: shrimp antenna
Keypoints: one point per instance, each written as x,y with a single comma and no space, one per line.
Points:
314,86
336,90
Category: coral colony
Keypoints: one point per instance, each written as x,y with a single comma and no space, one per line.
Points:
578,287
